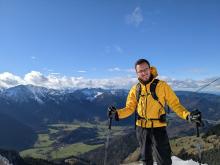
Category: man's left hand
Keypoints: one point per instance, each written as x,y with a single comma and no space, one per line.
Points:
195,116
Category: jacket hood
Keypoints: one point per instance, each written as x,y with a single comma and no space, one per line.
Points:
153,71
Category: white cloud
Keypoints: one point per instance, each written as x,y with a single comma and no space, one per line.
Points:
131,70
114,69
35,78
192,70
56,81
33,57
118,49
82,71
114,49
8,80
193,85
55,73
196,70
50,70
135,18
117,69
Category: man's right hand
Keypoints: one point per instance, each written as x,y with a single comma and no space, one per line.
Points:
112,113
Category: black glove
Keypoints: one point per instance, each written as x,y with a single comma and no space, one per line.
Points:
112,113
195,116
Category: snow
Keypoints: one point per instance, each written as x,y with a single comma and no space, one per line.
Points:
98,93
178,161
92,93
113,92
175,161
23,93
4,161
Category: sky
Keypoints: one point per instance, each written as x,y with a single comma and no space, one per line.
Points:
95,43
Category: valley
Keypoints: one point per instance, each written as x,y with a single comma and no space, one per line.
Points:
59,141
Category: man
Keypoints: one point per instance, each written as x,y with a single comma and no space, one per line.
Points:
151,123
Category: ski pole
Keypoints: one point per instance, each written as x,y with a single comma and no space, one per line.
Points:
198,144
197,130
107,140
109,123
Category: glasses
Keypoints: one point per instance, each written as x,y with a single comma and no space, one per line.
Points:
144,70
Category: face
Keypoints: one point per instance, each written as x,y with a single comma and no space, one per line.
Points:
143,71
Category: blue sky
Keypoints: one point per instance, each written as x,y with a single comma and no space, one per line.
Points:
101,39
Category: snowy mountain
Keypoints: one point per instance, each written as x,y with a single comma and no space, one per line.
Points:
24,93
37,105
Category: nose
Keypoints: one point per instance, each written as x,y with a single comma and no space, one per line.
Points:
144,73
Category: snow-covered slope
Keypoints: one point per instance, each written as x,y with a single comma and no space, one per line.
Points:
25,93
4,161
175,161
178,161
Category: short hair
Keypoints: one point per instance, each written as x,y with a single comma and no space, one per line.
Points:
140,61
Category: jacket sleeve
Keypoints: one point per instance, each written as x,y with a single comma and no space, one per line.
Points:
174,103
131,104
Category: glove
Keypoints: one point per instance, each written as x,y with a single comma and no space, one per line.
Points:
195,116
112,113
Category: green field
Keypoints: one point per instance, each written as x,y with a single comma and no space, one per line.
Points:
48,146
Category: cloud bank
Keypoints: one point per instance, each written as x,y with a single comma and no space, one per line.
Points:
57,81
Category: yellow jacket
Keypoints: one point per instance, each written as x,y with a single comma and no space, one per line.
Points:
149,108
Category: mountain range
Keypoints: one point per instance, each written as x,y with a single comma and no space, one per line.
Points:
37,105
31,108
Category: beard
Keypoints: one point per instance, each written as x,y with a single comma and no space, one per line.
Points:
145,82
